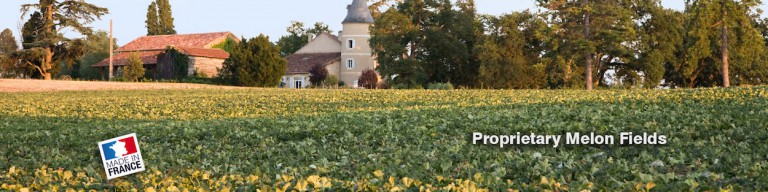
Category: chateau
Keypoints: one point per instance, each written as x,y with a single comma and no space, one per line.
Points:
345,56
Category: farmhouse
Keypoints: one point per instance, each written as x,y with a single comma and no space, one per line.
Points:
345,56
203,52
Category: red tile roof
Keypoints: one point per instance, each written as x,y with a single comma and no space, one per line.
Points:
160,42
303,62
148,57
200,52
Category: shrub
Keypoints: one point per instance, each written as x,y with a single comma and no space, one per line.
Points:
369,79
332,81
440,86
65,78
200,75
318,74
134,69
407,86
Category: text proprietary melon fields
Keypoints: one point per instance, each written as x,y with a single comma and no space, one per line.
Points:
627,138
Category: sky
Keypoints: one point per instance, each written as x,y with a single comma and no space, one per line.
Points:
244,18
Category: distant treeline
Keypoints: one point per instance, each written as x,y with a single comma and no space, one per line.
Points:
628,43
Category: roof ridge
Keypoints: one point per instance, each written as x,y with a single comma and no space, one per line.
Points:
187,34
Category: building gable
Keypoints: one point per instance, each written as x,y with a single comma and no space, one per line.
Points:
324,43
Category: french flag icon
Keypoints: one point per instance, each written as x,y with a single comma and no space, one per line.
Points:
120,148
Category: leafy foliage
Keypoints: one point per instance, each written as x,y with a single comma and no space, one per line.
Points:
96,47
180,63
9,67
7,42
44,47
420,42
332,81
509,55
160,18
165,16
704,51
298,36
153,22
193,180
369,79
440,86
134,69
254,63
635,44
227,45
716,136
318,74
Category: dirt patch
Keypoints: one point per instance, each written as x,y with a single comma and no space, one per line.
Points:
18,85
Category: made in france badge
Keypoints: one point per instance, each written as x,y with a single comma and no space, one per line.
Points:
121,156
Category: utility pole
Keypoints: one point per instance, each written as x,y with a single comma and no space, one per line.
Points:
588,36
111,48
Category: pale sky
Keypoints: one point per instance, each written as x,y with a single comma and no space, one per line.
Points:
246,18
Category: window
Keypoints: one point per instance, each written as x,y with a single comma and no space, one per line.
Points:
355,83
350,63
351,44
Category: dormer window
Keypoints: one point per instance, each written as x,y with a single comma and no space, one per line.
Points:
351,44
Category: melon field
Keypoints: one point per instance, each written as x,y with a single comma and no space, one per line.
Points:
370,140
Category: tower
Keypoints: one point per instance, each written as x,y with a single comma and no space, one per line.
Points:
355,51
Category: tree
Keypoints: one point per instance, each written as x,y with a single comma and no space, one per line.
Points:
318,74
96,50
165,18
660,46
394,41
295,39
711,49
8,65
153,22
29,35
377,6
597,33
587,37
509,54
419,42
134,69
7,42
298,36
369,79
50,47
254,63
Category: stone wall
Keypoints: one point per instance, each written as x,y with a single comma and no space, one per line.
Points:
203,65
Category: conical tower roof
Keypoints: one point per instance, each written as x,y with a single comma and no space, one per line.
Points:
358,12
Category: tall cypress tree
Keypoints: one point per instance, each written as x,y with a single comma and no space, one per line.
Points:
7,42
166,17
8,45
153,24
